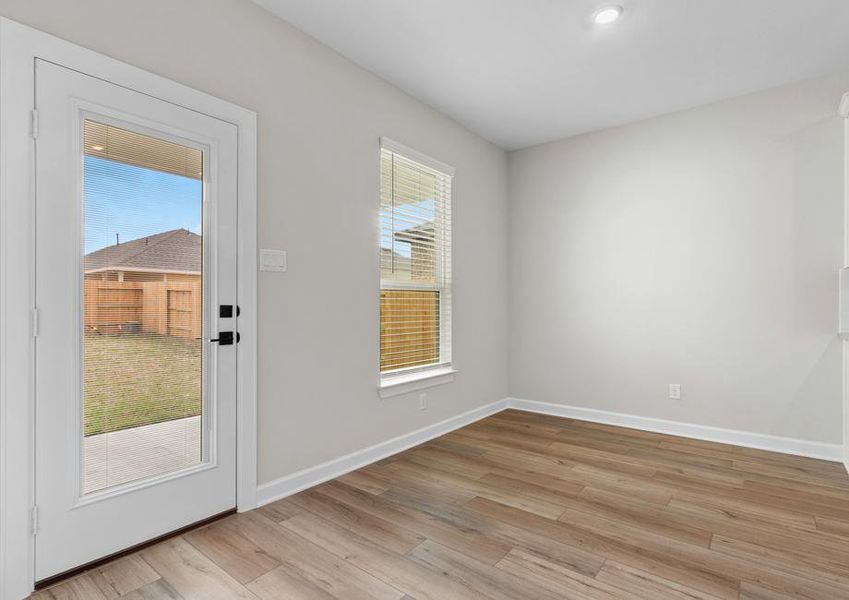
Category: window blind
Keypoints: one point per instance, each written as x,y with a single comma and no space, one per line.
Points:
415,260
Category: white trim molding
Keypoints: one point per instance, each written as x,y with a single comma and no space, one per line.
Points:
311,476
761,441
419,157
844,113
20,46
404,383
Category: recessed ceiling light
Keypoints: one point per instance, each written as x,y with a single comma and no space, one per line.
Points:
607,15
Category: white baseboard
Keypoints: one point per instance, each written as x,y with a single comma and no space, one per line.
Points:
822,450
306,478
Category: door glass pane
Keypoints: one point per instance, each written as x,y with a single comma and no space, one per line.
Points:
143,307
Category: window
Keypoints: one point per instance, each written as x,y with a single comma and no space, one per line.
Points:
415,264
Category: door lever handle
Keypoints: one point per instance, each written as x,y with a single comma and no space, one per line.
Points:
225,338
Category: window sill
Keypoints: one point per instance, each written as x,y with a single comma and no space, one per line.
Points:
395,385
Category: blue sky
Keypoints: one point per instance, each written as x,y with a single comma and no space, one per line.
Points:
415,214
135,202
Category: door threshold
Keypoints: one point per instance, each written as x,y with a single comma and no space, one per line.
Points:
54,579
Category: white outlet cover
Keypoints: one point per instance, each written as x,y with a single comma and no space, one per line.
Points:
675,391
272,260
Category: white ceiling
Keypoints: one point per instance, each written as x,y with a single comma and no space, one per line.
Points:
522,72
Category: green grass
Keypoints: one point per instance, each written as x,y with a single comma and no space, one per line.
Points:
138,379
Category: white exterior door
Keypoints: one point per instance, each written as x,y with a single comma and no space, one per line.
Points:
135,382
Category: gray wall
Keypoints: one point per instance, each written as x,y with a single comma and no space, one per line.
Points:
699,248
320,117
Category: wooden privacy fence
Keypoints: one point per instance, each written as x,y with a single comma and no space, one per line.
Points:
409,328
158,307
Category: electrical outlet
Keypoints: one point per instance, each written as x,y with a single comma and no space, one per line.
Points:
675,391
423,401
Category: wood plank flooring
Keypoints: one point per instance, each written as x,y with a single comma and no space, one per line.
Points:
521,506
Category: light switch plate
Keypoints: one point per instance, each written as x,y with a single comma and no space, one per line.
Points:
272,260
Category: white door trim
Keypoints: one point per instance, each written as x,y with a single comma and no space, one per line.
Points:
843,111
19,47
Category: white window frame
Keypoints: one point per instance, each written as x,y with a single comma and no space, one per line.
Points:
403,381
20,46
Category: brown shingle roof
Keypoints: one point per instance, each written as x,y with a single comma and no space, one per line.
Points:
176,250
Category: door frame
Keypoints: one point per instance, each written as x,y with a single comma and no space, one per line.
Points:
843,111
19,47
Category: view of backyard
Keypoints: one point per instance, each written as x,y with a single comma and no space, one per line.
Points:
139,379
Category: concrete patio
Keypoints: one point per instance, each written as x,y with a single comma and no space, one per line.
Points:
139,452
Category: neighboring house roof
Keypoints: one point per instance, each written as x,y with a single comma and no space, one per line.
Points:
420,235
178,250
417,235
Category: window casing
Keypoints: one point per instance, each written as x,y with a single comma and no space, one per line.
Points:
415,263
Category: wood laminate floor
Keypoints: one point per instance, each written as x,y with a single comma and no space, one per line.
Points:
521,506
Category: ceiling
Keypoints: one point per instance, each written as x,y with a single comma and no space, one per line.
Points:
523,72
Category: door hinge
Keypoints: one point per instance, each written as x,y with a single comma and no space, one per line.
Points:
35,520
34,322
34,117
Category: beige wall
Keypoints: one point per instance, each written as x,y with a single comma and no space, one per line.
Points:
698,248
319,121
